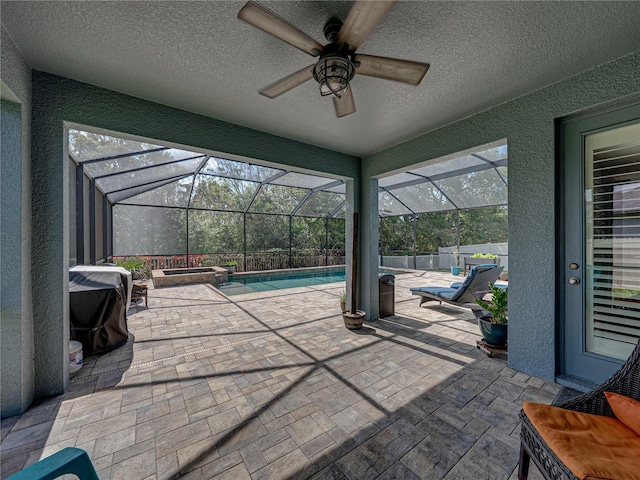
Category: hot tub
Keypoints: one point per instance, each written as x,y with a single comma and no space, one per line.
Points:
187,276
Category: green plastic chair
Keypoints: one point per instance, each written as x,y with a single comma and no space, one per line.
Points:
69,460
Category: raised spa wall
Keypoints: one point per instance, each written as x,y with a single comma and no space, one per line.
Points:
169,277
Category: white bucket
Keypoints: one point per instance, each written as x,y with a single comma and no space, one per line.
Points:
75,356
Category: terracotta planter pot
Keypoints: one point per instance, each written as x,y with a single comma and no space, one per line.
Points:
353,321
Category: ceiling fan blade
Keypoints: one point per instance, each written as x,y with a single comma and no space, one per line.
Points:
362,19
345,104
287,83
267,21
390,68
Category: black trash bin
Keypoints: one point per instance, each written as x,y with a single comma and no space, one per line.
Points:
386,285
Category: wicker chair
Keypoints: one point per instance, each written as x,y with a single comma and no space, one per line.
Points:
625,381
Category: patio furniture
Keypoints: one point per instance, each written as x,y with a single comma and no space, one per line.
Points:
582,437
464,294
138,291
472,261
68,460
97,309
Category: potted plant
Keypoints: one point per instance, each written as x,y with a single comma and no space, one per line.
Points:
343,300
455,268
231,266
494,326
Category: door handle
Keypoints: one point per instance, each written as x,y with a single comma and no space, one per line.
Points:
574,281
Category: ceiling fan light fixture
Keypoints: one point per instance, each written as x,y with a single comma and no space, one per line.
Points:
333,72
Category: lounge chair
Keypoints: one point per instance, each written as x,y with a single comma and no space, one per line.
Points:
464,294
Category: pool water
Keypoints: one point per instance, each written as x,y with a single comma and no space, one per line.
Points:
251,283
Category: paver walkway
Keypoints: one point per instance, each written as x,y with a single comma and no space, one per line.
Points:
272,386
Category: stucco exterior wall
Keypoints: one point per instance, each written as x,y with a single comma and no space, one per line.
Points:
16,321
57,100
528,124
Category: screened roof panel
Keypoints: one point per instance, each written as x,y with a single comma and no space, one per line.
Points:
477,189
85,146
116,197
342,188
494,154
396,179
423,197
240,170
230,185
449,166
123,164
221,193
174,194
154,174
277,199
388,206
302,180
320,204
465,181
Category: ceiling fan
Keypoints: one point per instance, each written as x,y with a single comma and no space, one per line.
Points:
338,61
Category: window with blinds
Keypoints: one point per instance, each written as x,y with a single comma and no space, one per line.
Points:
612,200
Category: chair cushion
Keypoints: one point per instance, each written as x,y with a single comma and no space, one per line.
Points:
626,409
591,446
467,281
443,292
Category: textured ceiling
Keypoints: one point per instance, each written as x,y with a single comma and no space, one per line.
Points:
198,56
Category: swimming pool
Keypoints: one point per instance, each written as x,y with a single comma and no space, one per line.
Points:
264,282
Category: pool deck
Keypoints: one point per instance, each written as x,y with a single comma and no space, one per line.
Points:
271,385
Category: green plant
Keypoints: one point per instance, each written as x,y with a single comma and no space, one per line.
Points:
343,296
484,255
139,269
232,263
497,306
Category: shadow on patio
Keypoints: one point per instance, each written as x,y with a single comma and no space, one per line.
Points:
271,387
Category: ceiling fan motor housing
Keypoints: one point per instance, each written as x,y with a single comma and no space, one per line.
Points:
331,28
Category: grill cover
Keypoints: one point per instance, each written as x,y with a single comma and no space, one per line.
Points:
98,306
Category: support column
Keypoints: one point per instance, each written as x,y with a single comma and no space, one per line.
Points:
16,340
458,230
381,240
50,240
368,256
326,242
415,234
244,239
290,241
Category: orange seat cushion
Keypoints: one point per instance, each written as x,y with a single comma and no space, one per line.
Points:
626,409
593,447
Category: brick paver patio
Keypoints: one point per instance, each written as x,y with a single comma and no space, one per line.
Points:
272,386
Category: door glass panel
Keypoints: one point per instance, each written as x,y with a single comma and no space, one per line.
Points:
612,201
